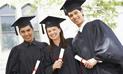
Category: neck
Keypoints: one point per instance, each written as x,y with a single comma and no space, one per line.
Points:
29,42
57,41
79,25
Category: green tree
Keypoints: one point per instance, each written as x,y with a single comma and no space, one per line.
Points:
104,9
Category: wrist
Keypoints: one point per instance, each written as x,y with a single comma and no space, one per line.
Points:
98,60
53,67
83,60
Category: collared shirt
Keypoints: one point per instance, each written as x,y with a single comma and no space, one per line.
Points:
79,30
27,44
82,26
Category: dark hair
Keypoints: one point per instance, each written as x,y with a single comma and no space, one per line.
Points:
63,42
78,8
25,26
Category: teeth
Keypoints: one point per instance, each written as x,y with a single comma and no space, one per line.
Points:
53,35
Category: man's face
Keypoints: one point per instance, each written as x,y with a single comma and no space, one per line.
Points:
27,33
76,17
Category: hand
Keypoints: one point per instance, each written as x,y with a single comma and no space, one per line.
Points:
86,63
90,63
57,64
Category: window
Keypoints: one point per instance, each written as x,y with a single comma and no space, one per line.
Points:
8,36
28,10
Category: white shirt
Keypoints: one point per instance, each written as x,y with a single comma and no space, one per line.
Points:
82,26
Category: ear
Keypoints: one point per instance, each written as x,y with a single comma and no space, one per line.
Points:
82,14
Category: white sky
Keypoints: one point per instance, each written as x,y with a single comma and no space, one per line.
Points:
119,30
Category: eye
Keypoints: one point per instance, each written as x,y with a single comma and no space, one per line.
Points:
48,31
70,15
22,31
28,30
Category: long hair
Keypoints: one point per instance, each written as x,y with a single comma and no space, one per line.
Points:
63,42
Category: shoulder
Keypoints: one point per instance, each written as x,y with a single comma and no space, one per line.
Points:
15,50
17,47
97,23
97,20
69,40
41,43
47,49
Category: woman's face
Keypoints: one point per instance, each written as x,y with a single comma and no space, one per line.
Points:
53,32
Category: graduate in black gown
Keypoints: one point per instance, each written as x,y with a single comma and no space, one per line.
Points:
95,42
23,57
54,64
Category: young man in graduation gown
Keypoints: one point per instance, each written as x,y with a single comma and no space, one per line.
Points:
95,42
23,57
54,63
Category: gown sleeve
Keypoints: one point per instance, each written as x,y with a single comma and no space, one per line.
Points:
12,63
106,45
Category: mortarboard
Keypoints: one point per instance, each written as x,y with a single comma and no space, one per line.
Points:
22,22
50,21
70,5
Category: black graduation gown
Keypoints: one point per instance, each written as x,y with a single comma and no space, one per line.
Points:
22,58
98,41
69,64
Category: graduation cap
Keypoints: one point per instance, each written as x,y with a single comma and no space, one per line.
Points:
70,5
51,21
22,22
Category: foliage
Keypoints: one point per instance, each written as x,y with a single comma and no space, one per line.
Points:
105,10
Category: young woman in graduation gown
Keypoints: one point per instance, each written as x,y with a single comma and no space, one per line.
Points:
54,65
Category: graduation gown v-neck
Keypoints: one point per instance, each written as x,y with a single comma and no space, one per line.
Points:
97,40
22,58
69,64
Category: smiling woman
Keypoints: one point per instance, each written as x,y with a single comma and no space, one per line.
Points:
55,64
53,33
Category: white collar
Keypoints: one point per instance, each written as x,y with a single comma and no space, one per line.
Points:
82,25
